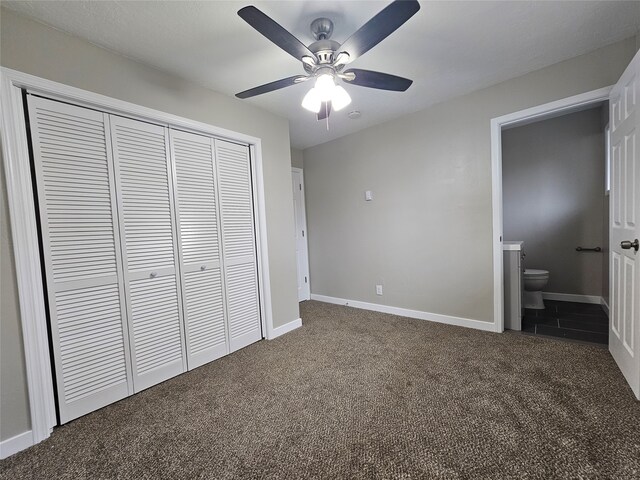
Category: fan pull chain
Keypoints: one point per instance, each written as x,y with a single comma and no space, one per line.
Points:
326,112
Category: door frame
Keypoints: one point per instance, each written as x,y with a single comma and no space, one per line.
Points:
546,111
304,226
22,219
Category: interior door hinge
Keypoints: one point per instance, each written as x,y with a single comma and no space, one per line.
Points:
300,185
303,233
305,279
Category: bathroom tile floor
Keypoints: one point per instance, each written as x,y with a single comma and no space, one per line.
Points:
583,322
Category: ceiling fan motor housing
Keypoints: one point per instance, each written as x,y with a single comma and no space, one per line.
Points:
323,48
321,28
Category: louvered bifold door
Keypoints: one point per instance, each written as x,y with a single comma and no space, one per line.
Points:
238,244
77,206
199,241
149,246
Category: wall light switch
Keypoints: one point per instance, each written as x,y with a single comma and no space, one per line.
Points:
368,195
378,289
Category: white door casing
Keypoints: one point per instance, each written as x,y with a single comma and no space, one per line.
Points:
206,332
553,109
624,325
300,222
149,250
83,269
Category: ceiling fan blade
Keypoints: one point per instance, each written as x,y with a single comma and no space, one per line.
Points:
274,32
270,87
379,27
325,110
379,80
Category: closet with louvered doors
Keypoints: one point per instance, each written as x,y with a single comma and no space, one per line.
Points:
149,250
217,244
200,247
238,243
81,255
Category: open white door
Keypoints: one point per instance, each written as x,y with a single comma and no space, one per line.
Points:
302,253
624,326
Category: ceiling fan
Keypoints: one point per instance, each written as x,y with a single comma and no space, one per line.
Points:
325,59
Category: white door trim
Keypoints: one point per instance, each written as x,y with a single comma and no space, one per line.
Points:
306,235
15,150
571,297
564,106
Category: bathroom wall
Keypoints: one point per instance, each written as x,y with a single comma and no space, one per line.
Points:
553,196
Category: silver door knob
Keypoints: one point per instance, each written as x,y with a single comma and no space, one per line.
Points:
628,245
153,275
203,268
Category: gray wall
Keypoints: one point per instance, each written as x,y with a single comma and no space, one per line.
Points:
14,400
297,158
553,189
427,234
34,48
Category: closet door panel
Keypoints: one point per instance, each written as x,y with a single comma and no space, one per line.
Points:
238,245
242,298
149,250
199,239
85,288
156,329
206,330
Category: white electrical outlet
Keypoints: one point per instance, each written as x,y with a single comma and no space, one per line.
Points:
368,195
378,289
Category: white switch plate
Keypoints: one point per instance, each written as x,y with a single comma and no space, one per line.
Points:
368,195
378,289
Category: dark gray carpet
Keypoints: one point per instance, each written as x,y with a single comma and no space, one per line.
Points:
357,394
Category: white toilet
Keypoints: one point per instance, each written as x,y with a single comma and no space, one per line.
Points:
534,282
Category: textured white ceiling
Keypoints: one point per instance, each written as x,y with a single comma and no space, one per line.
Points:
447,48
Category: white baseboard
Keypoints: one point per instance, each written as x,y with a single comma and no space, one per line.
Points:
15,444
286,328
570,297
405,312
605,305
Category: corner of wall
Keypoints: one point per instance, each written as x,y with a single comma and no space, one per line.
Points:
14,400
297,158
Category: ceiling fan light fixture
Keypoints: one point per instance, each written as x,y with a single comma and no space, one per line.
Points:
325,58
340,98
325,87
312,101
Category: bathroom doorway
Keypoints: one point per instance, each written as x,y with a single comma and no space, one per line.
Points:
624,201
555,201
569,105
